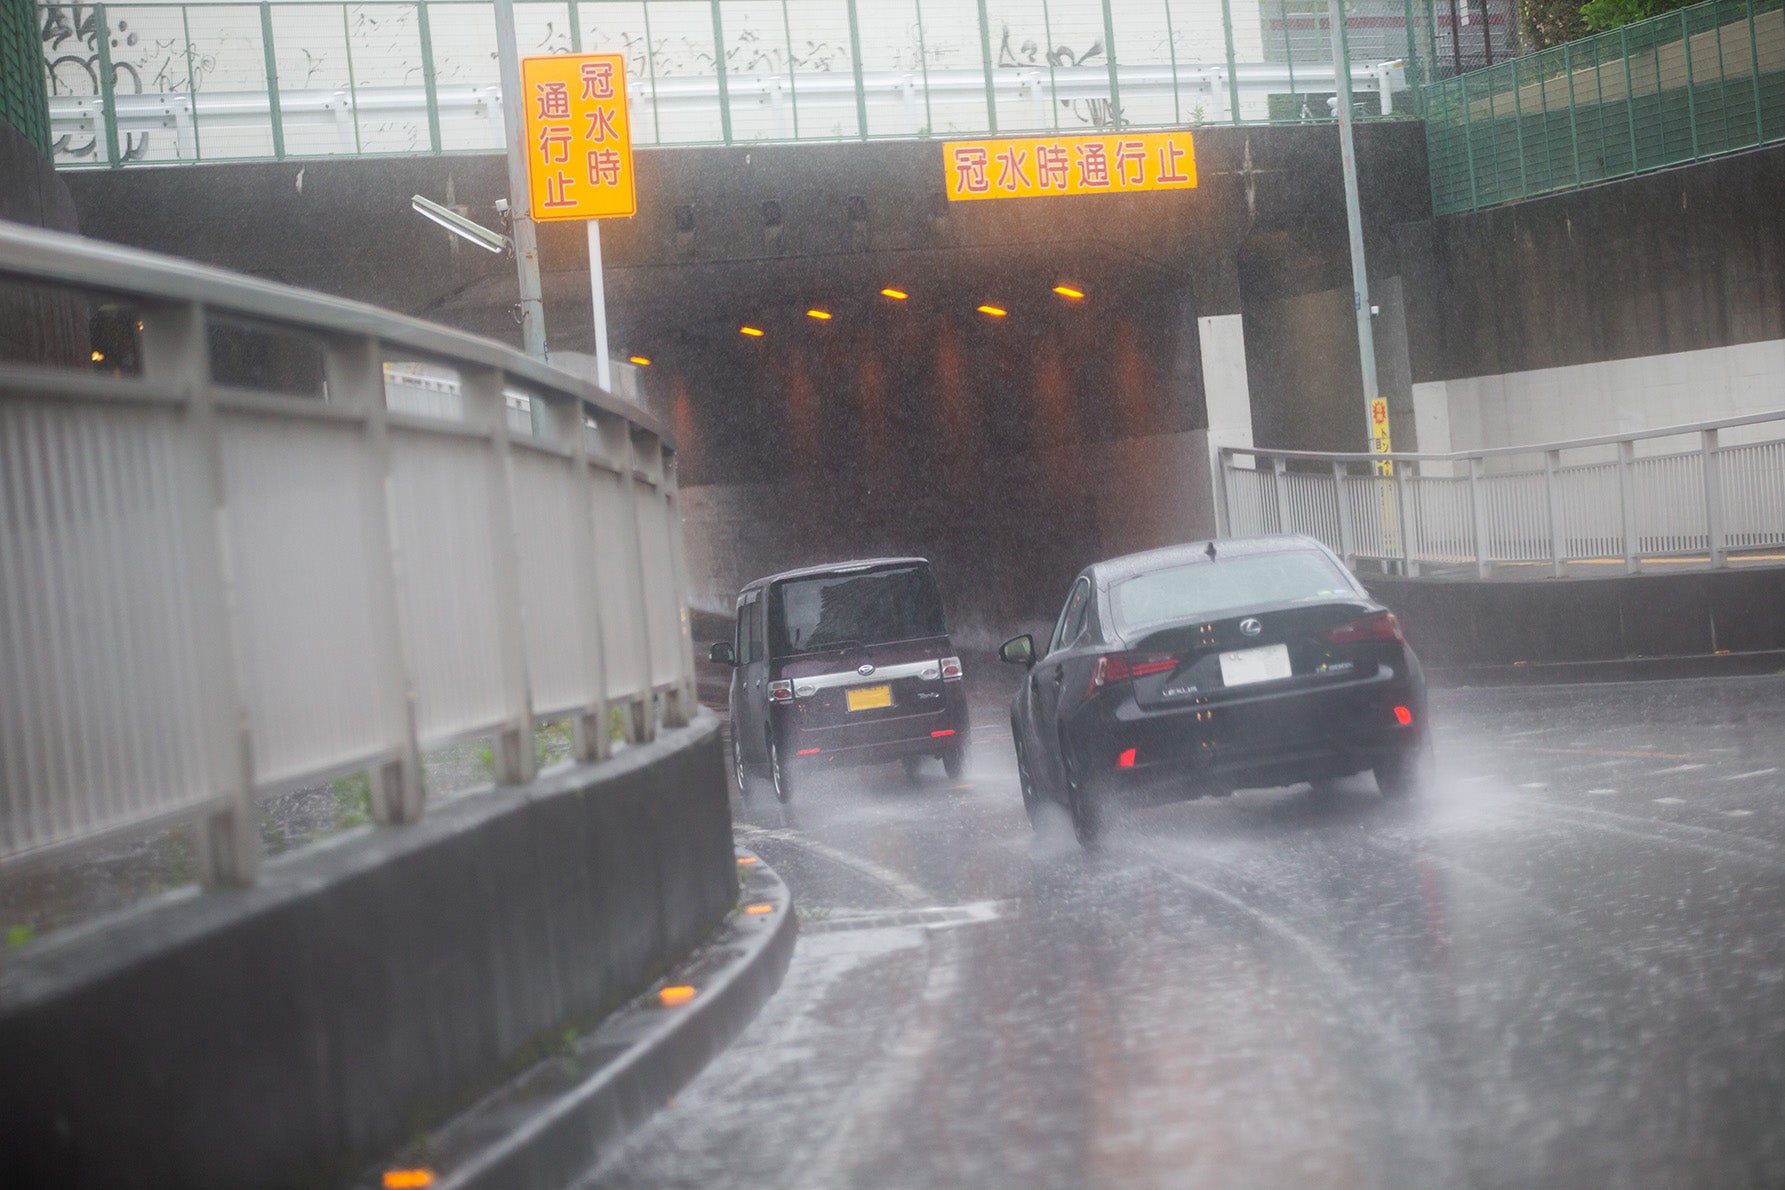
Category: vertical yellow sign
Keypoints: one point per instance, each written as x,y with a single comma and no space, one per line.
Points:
578,137
1379,435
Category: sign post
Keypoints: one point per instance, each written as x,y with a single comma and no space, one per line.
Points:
526,245
578,143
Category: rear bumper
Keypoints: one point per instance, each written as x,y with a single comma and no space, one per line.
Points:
929,733
1268,740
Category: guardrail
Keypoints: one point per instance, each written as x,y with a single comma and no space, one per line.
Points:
297,78
1705,491
1694,83
232,566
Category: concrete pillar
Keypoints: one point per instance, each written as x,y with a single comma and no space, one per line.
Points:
1227,395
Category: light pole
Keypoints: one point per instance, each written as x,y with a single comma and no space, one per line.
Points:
1360,281
526,243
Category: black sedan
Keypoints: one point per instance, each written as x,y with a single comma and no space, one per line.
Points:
1205,668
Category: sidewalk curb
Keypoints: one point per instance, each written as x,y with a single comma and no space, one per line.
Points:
1631,669
556,1120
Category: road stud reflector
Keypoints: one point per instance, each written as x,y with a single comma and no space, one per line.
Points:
407,1179
680,994
746,859
758,909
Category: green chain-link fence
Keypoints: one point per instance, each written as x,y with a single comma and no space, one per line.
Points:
23,97
1691,84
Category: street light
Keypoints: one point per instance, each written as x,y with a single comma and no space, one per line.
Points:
460,226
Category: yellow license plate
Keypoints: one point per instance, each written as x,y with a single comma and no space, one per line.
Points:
867,698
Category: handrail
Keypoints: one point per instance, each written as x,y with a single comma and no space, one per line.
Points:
213,586
1461,456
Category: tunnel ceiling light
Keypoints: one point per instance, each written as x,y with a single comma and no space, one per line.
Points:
640,360
820,315
993,311
897,295
1067,291
753,332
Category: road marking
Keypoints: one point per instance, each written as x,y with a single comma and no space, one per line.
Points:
1669,801
1755,773
1534,785
1601,792
1739,813
1679,768
1610,752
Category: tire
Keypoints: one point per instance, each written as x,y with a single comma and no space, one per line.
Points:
1084,802
779,776
739,770
1031,800
954,762
1408,773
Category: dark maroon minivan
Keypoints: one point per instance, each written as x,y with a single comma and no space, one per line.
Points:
843,664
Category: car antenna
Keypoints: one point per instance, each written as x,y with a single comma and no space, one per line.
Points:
1211,551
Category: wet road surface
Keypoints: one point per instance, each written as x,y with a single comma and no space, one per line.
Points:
1565,966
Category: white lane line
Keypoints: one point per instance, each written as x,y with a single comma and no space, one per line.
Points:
1755,773
1533,785
1601,792
1738,813
1669,801
1678,768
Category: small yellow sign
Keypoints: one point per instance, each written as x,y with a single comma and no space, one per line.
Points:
1048,167
1379,435
578,137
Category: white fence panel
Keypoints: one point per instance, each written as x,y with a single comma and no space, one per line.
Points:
1309,508
1670,515
1753,495
1440,510
549,491
1591,515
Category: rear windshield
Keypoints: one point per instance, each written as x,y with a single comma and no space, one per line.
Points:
1226,586
833,610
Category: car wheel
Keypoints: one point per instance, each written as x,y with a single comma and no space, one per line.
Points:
783,780
738,769
1031,801
1408,773
1083,801
954,762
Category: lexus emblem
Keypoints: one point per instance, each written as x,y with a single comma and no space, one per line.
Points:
864,669
1250,627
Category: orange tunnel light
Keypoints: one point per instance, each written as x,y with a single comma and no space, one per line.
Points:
640,360
993,311
407,1179
1067,291
820,315
897,295
753,332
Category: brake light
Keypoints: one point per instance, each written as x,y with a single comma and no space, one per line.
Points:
808,752
937,735
780,691
1403,716
1125,667
951,669
1381,626
1125,758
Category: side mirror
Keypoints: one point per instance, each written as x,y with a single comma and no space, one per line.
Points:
723,654
1018,650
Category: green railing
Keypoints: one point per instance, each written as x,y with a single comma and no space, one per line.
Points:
23,98
1692,84
157,83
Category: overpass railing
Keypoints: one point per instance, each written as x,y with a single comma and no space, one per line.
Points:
1705,493
229,564
1690,84
159,82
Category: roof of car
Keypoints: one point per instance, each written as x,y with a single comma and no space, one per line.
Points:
835,568
1129,565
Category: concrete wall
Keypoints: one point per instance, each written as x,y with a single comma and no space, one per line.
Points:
37,327
368,987
1646,302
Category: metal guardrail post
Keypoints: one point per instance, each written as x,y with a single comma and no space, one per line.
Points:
486,406
108,99
1478,521
1404,524
430,80
1115,86
1279,468
1691,85
985,57
176,351
719,69
1713,497
275,115
1558,546
1347,538
1233,82
354,372
1224,494
1627,506
1754,72
855,58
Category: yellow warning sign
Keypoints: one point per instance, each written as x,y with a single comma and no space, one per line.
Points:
1379,438
1049,167
578,136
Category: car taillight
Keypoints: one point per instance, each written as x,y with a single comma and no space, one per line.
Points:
951,669
1381,626
1125,667
780,691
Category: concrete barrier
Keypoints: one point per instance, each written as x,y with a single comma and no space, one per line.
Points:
369,987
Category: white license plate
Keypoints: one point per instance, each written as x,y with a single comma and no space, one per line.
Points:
1242,667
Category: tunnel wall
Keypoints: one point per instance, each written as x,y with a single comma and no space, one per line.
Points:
1652,301
367,988
36,327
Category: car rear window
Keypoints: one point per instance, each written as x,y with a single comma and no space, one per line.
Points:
875,607
1226,586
